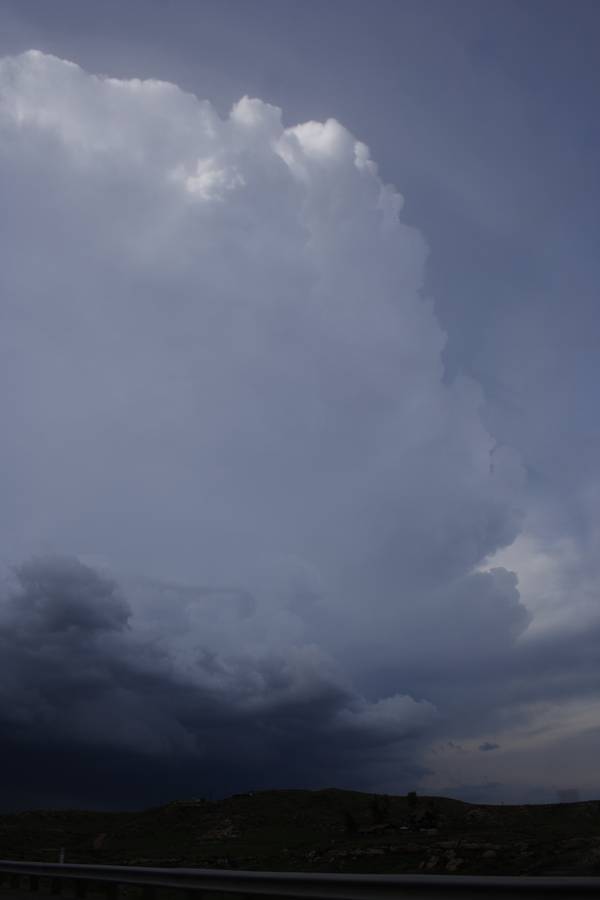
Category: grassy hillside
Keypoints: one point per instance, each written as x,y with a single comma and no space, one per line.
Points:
327,830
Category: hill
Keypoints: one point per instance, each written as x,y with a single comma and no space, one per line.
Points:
326,830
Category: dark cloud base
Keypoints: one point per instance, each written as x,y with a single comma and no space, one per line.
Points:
66,775
93,713
97,712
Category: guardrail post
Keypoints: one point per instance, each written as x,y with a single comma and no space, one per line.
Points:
56,886
149,892
112,890
80,889
34,883
15,882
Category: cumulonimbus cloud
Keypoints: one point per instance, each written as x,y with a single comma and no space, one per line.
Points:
218,365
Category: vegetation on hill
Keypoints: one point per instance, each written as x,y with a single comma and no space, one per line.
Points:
326,830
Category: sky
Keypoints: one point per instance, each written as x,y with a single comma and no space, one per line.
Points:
298,372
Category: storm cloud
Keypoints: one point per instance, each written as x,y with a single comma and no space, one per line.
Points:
251,531
81,678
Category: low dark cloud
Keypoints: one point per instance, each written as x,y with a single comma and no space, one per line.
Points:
81,681
568,795
109,702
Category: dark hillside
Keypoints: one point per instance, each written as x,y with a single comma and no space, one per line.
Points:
327,830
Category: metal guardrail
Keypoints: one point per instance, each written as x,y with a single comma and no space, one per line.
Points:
301,885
